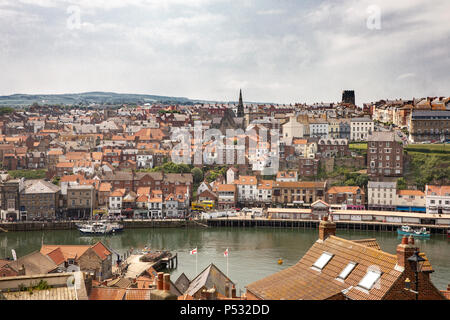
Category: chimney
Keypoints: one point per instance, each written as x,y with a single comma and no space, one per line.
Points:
162,291
233,291
166,282
160,281
326,228
405,250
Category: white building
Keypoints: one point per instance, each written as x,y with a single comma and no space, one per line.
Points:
287,176
381,195
144,161
265,191
318,128
437,199
232,174
293,129
115,201
361,128
247,188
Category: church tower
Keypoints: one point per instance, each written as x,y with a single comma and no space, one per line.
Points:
240,112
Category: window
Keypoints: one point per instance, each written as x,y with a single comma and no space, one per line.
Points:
369,280
349,268
323,260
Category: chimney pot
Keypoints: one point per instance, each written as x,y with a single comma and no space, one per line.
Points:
160,281
167,282
404,240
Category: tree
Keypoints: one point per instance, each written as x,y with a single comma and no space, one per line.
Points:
361,180
197,175
401,184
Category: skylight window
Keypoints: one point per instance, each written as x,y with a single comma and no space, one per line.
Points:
369,280
349,268
323,260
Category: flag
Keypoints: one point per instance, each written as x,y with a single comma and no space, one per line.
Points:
14,254
225,254
194,251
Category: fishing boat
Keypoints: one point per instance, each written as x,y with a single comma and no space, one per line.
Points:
409,231
100,228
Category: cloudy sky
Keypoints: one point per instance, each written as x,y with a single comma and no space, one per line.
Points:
281,51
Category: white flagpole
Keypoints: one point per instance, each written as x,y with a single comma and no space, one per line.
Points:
227,265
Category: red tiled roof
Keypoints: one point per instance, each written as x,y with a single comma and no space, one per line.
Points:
57,256
301,281
107,294
138,294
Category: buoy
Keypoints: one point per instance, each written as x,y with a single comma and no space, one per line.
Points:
280,261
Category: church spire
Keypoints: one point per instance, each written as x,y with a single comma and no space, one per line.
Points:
240,111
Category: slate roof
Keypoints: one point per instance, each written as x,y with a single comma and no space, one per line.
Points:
35,263
40,186
182,283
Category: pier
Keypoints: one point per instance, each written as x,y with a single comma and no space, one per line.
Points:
242,222
71,225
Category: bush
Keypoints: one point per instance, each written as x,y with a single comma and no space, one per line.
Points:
197,175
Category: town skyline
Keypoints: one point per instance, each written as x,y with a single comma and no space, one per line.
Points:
200,100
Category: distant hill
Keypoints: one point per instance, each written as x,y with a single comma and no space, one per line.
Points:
88,98
20,100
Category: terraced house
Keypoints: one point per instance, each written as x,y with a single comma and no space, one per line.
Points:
297,193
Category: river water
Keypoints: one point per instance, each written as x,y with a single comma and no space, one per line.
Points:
253,253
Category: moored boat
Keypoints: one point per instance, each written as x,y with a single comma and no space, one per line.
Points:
409,231
99,228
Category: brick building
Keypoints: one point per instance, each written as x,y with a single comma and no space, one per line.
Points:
429,126
298,193
352,197
385,155
308,167
39,199
94,259
80,201
333,148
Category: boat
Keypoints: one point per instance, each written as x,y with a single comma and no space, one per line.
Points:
409,231
116,227
100,228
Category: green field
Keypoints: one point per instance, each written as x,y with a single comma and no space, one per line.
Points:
358,146
428,148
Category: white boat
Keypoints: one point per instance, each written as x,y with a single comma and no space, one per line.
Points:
100,228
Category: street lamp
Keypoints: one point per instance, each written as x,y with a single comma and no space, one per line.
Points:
416,263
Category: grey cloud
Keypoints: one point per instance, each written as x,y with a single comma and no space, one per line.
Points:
280,51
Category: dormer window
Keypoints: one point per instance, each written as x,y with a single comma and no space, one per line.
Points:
349,268
323,260
369,279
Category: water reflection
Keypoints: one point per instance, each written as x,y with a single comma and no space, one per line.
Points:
253,253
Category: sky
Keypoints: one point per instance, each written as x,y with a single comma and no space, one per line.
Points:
280,51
